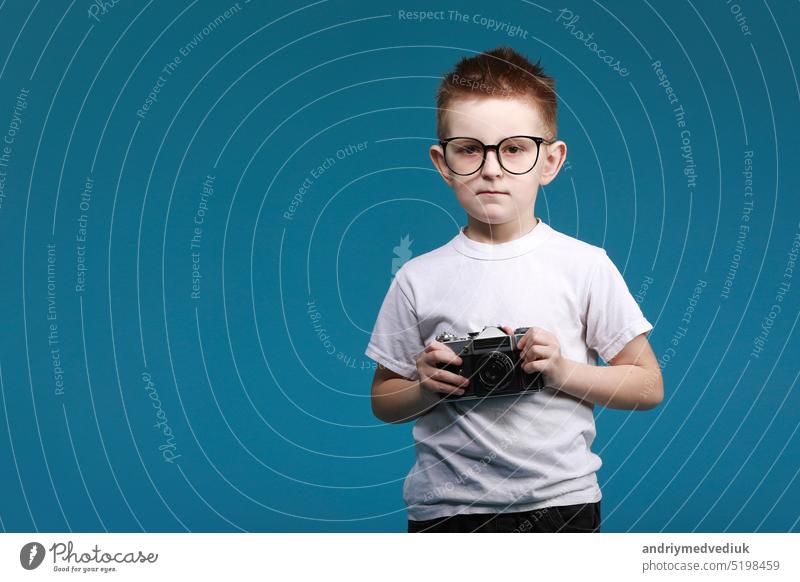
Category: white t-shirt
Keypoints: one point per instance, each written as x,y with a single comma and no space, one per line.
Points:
517,452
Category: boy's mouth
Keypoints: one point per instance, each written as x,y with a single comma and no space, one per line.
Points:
493,192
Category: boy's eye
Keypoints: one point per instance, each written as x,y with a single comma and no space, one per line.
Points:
467,150
513,149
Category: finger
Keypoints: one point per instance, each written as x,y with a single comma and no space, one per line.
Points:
535,366
443,388
444,356
434,345
543,336
532,352
448,377
527,339
525,351
508,330
541,365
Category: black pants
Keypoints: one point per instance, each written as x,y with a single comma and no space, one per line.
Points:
580,518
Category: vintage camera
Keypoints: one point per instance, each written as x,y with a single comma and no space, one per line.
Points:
490,359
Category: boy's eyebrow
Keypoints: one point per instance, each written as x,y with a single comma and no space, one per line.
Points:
544,139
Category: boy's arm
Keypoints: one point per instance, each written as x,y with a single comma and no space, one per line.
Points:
632,381
396,399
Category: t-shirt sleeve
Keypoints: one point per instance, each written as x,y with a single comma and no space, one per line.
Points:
395,341
613,317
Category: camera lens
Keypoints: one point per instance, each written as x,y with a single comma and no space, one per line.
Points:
494,369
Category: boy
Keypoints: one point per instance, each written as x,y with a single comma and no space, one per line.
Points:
520,463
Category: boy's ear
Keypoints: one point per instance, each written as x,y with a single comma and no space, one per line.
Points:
437,157
554,157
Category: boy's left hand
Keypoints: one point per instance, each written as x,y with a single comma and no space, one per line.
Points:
540,352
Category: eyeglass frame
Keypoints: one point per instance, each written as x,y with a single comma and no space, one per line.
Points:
496,147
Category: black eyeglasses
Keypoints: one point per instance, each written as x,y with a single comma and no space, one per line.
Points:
517,154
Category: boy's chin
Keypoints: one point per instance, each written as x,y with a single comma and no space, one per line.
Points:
492,220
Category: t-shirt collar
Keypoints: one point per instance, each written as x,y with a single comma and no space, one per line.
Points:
506,250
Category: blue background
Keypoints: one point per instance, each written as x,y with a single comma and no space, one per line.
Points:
268,406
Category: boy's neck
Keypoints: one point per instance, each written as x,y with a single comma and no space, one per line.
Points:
499,233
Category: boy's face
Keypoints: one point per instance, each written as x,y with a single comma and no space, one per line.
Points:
490,120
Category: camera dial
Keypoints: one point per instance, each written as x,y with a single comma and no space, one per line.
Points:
446,336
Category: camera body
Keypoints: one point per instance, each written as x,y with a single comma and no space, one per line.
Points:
490,359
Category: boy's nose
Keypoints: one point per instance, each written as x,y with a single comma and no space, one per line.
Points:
491,166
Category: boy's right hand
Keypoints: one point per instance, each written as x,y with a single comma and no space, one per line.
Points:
435,379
